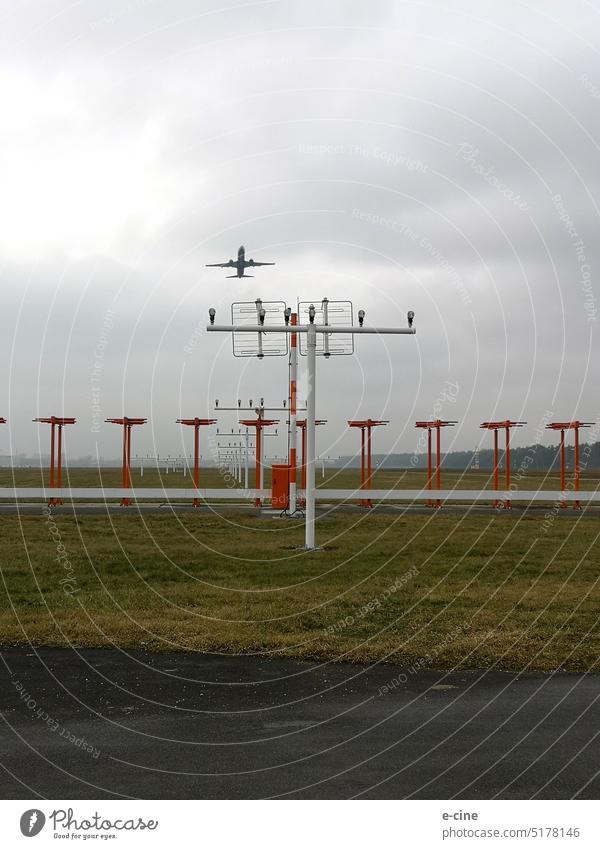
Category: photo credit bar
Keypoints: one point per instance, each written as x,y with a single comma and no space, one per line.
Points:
295,824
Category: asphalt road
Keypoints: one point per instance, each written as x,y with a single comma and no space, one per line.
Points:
103,723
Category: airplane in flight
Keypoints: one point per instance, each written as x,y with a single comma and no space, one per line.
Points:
240,265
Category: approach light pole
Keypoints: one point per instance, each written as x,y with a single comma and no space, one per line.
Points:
562,427
259,424
56,423
196,423
293,408
244,435
366,475
436,425
126,423
312,331
495,427
292,318
244,448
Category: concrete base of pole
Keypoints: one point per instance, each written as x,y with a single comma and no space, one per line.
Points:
281,514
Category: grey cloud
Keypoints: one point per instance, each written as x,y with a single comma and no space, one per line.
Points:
327,137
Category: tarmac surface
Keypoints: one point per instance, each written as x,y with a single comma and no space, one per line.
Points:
106,723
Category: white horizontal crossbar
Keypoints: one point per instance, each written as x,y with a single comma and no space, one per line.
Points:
303,328
457,495
233,494
137,494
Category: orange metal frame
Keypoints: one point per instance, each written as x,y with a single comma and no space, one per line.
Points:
562,427
126,423
366,474
437,425
56,425
258,424
301,423
196,424
292,458
507,424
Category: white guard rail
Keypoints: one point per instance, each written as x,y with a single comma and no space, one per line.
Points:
458,495
136,494
376,495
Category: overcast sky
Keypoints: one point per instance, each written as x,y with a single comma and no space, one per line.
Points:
442,158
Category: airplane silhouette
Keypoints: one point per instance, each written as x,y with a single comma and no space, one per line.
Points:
240,265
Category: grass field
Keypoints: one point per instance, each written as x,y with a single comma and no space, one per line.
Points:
437,590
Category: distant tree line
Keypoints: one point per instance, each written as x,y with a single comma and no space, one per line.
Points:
540,458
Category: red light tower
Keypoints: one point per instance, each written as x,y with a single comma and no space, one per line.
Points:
293,419
126,423
562,426
55,422
365,426
196,424
301,423
496,426
258,424
437,425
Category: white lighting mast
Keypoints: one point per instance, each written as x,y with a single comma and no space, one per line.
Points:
312,331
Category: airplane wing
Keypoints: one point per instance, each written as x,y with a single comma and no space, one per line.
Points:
254,264
229,264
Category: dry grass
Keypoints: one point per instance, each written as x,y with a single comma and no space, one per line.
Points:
432,590
334,479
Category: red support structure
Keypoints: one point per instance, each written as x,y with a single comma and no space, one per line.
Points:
562,464
292,421
364,503
56,423
496,462
507,424
366,426
258,424
196,424
301,423
437,425
562,427
429,469
126,423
